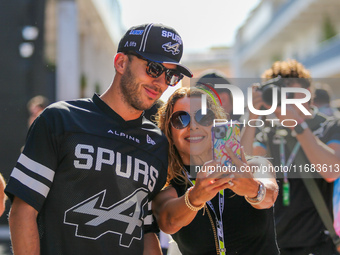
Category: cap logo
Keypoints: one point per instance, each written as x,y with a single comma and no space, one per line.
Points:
174,48
136,32
173,36
130,44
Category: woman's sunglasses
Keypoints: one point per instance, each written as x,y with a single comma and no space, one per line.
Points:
154,69
181,119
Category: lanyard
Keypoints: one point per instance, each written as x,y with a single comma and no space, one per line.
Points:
318,130
286,185
219,221
291,157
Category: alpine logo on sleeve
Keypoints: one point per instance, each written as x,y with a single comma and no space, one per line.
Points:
124,218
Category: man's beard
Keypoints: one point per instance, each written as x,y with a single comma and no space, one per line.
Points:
130,91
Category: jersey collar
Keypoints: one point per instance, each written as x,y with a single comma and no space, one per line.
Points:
108,111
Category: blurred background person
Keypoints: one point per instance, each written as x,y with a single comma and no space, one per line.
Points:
211,77
314,141
35,106
322,100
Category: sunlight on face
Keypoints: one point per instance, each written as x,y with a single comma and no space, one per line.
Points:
194,141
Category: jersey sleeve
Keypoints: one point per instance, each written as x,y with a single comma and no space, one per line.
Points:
150,223
33,174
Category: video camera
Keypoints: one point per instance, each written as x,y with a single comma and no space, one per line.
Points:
267,90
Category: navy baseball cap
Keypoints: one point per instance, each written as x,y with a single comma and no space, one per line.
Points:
155,42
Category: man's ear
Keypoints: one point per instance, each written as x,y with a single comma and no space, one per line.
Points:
120,62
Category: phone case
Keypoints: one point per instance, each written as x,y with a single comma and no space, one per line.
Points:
223,135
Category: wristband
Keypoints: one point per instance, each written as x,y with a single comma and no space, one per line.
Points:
261,193
188,204
299,128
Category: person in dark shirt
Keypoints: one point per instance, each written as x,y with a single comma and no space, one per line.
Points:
211,77
311,145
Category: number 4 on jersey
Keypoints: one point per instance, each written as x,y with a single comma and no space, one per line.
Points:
92,219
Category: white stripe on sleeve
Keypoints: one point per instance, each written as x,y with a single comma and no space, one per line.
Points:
36,167
30,182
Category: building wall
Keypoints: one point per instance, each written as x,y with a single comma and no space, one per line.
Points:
282,29
98,30
198,62
20,77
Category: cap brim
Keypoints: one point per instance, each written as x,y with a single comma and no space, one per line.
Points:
162,59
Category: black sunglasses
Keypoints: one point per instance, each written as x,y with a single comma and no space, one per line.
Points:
181,119
154,69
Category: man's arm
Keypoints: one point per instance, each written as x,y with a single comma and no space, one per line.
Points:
23,228
151,244
318,153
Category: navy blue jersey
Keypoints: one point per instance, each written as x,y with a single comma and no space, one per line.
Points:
90,175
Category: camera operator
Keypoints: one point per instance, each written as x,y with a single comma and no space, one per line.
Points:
312,143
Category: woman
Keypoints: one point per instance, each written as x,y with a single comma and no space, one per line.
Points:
246,225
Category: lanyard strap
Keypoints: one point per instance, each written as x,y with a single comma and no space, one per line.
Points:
291,157
218,220
286,185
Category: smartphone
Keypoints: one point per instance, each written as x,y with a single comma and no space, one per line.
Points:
222,135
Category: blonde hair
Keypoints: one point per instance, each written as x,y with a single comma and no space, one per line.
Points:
175,167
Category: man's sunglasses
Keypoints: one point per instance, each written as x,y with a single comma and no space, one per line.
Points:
154,69
181,119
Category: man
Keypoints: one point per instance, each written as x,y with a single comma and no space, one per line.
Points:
300,230
90,166
322,100
35,106
211,77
